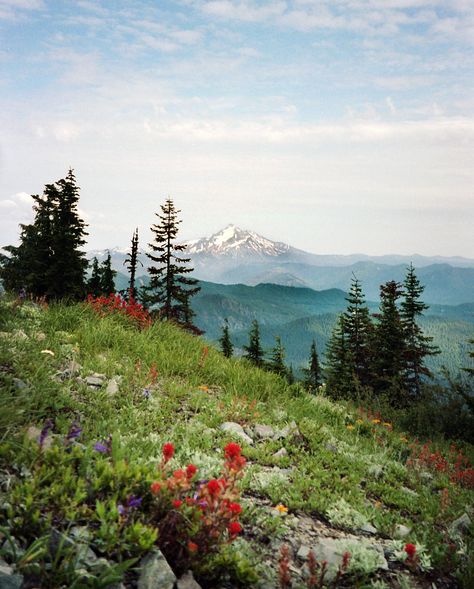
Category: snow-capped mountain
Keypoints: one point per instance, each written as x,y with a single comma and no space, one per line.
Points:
237,243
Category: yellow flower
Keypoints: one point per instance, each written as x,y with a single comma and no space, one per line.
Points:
349,427
403,439
281,508
387,424
360,421
203,388
378,504
375,420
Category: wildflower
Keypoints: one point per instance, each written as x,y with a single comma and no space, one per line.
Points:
179,474
235,508
191,470
375,421
48,425
410,549
378,504
346,557
203,388
359,421
104,447
232,450
213,487
132,503
234,528
281,509
403,439
168,451
49,352
192,547
387,424
74,432
155,488
177,503
349,427
146,393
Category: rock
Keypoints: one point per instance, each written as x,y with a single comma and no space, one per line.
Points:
95,380
187,581
303,552
80,534
461,524
85,556
19,384
155,572
401,531
368,529
12,550
40,336
33,433
237,430
281,453
290,430
112,386
263,432
8,579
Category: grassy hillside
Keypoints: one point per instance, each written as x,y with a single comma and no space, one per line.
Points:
320,474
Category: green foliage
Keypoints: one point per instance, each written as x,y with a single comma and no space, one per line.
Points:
225,341
253,351
107,283
277,359
94,284
312,380
131,262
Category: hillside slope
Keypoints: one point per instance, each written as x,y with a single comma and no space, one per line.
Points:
318,475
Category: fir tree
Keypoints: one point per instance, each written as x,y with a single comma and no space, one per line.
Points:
291,375
107,276
312,380
254,351
358,332
94,284
389,343
417,345
469,370
277,359
225,341
339,377
170,288
131,262
49,262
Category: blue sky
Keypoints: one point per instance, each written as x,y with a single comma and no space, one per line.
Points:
335,125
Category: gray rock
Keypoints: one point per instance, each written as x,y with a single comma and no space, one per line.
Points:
12,550
8,579
281,453
237,430
461,524
112,386
401,531
19,384
187,581
263,432
95,380
85,557
368,529
288,431
155,572
303,552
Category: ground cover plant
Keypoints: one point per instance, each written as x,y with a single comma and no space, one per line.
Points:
122,436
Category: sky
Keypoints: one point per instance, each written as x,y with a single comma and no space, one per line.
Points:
337,126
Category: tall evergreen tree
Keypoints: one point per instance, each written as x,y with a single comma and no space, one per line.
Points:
49,262
94,284
225,341
170,288
107,276
131,262
254,351
417,345
340,380
290,375
389,343
312,380
358,331
470,370
277,358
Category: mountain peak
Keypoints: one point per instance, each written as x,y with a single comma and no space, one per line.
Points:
236,242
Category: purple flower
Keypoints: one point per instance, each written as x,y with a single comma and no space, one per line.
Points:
147,393
134,502
104,447
74,432
121,509
48,425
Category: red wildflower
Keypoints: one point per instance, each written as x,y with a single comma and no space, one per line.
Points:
191,470
192,547
213,487
177,503
234,528
168,451
155,488
232,450
179,474
410,549
235,508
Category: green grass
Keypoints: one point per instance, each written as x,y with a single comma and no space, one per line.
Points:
336,472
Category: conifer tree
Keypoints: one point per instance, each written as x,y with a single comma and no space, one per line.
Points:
49,262
417,345
107,276
469,370
225,341
340,380
291,375
312,380
358,331
170,288
94,284
277,358
254,351
131,262
389,343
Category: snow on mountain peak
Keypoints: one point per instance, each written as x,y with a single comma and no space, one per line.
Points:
236,242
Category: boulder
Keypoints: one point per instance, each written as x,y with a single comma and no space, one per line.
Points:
263,432
281,453
155,572
401,531
237,430
187,581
